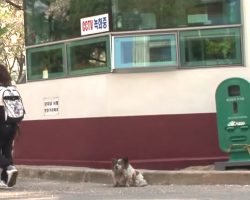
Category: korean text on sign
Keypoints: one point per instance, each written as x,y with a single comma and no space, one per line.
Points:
51,106
95,24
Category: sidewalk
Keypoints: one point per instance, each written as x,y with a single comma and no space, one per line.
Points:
189,176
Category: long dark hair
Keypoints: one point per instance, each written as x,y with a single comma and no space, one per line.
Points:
5,78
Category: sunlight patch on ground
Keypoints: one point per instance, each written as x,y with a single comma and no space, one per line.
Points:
26,195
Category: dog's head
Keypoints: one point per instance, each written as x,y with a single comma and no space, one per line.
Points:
118,165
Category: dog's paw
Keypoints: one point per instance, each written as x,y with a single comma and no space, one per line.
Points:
127,185
143,184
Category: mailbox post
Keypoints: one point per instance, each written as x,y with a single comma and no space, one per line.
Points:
233,121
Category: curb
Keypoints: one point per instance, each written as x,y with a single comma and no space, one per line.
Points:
74,174
153,177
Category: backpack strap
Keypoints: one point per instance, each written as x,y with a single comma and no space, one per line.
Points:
2,87
2,90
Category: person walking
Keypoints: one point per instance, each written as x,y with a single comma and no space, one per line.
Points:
7,134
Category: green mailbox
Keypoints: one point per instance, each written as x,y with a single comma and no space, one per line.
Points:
233,118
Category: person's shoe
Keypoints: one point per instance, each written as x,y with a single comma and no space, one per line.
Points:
3,185
12,175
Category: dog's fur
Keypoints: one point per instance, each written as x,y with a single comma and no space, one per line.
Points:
124,175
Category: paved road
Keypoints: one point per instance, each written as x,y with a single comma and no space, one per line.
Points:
37,189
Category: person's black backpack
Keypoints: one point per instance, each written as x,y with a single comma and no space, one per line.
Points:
13,105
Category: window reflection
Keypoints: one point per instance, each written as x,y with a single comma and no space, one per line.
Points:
88,56
145,51
45,62
210,47
53,20
152,14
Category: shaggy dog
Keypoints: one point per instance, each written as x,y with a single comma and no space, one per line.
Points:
124,175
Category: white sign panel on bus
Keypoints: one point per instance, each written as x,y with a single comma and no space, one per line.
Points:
51,106
95,24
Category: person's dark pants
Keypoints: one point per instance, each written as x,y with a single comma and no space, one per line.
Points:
7,135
